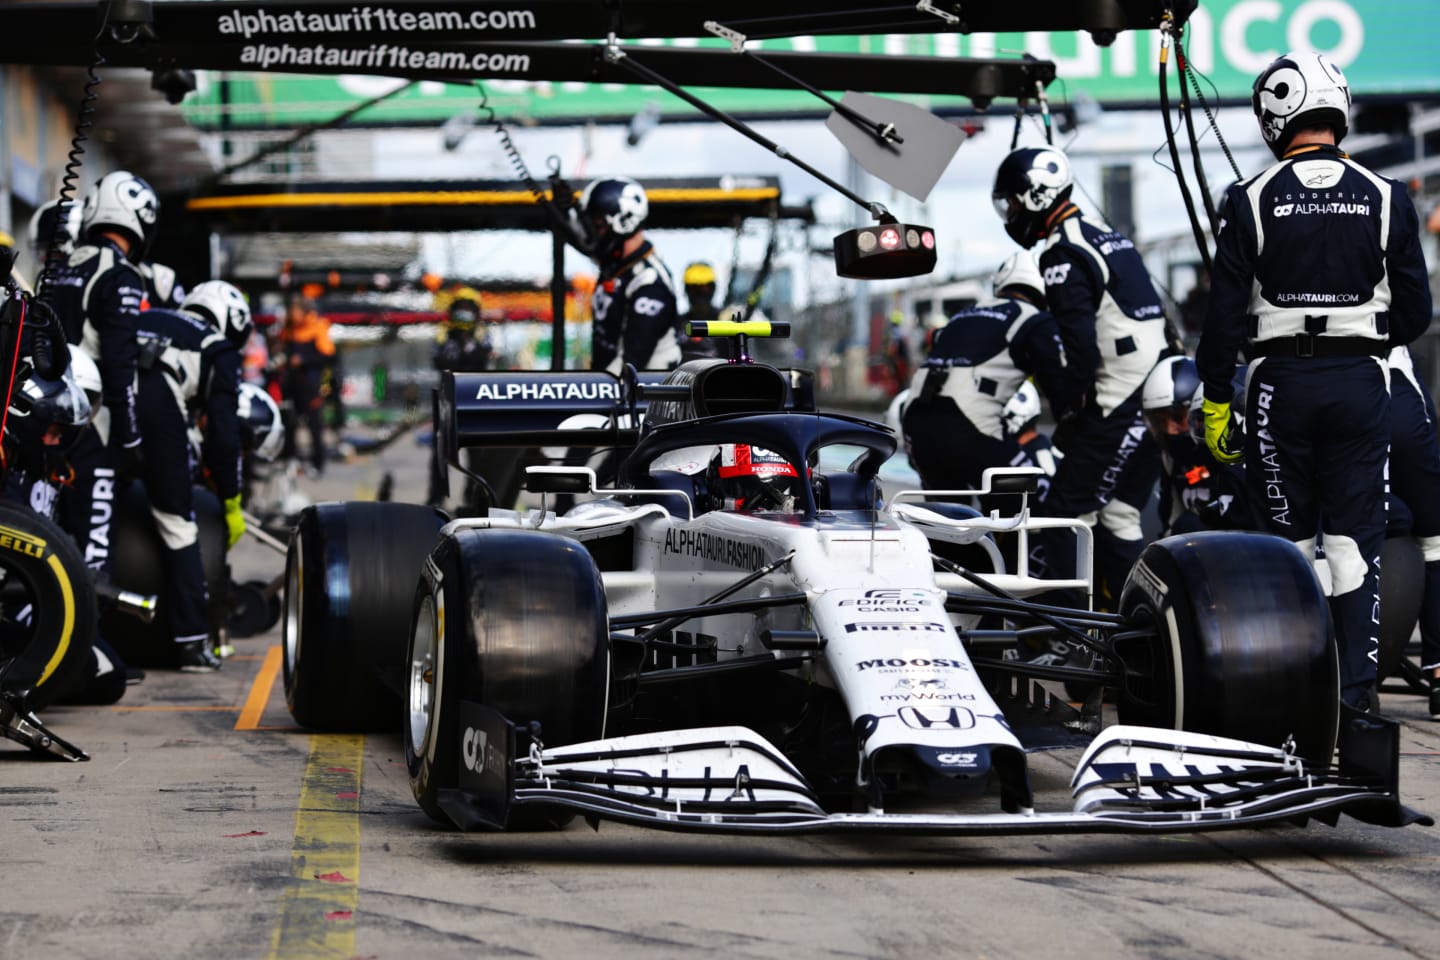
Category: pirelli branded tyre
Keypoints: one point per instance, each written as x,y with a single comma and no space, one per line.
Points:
511,620
1241,643
350,574
47,606
136,565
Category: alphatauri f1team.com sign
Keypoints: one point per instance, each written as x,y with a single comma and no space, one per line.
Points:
1385,47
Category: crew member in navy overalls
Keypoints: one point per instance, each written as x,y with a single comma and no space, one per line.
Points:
1113,328
636,319
1415,481
1197,492
190,363
954,421
1318,273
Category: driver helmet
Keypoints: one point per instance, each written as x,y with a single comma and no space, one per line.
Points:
615,209
1168,396
1020,274
1030,184
261,430
1020,411
1296,91
122,203
52,228
224,307
751,478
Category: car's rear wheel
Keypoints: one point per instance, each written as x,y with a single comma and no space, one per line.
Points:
511,620
47,607
350,574
1237,642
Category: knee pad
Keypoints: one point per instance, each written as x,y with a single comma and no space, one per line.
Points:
1347,566
1429,548
176,531
1121,520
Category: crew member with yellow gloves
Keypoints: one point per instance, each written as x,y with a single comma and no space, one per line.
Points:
189,366
1318,272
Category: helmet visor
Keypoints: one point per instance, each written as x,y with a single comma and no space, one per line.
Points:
1168,421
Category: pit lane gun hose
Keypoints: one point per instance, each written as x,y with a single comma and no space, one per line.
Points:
1167,29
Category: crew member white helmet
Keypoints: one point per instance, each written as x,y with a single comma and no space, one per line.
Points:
47,222
86,374
1296,91
262,432
1020,270
123,203
223,307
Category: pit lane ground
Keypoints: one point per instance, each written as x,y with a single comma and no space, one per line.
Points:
207,825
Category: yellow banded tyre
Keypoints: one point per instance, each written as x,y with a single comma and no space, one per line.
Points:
47,606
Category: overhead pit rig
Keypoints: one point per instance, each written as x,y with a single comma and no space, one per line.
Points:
455,41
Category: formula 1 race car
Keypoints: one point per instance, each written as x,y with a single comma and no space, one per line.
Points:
743,632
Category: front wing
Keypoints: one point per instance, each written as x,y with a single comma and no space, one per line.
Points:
730,780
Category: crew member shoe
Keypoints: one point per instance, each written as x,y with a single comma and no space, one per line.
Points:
197,657
1435,698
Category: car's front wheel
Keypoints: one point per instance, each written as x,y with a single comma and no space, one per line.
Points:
510,620
1235,641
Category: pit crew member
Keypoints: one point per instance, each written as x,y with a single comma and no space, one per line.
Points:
954,421
1197,492
636,319
1318,273
1113,328
190,361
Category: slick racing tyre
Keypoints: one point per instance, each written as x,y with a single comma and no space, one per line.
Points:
350,574
47,607
136,563
1238,643
515,621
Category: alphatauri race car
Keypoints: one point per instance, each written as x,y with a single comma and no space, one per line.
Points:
742,631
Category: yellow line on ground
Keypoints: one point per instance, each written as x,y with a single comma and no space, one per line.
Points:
317,913
254,708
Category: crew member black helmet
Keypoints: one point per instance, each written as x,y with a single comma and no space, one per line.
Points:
616,208
1029,185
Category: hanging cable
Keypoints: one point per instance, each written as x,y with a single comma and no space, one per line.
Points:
1188,68
70,177
1201,244
1195,162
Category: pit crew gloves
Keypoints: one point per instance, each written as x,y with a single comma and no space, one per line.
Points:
234,521
1220,432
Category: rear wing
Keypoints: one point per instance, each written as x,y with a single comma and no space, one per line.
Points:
532,408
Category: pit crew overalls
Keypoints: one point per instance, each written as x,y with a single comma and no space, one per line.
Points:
1113,328
1318,271
636,319
97,294
1415,480
952,423
186,367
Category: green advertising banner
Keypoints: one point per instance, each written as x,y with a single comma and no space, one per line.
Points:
1386,48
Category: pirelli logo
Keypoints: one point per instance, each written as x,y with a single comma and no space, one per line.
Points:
21,542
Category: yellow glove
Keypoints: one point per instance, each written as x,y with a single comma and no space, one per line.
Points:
234,520
1220,432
